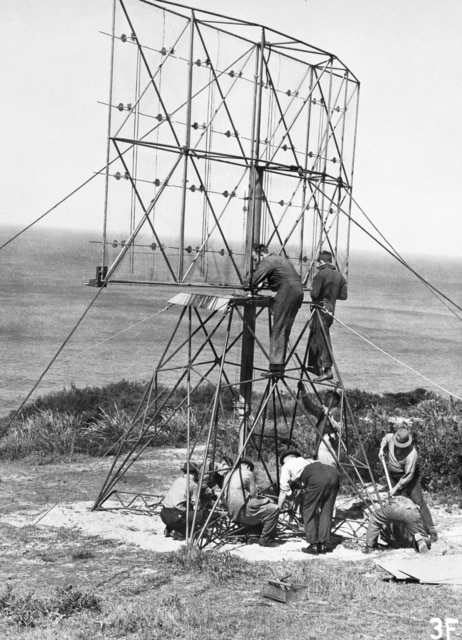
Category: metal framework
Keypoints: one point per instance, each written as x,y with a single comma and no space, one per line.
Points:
230,134
208,352
225,133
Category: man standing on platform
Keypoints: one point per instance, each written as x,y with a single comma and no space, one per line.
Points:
282,278
328,286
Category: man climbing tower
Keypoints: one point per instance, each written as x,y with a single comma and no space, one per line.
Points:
328,286
282,278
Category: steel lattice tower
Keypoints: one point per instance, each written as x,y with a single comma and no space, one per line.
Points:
226,134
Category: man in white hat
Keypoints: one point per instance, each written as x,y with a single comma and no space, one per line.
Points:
403,467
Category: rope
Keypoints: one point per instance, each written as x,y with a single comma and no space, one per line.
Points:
98,344
56,355
109,127
393,252
53,207
68,491
393,357
92,177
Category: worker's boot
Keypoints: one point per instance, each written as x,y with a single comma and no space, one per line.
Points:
422,543
176,535
275,371
326,375
433,535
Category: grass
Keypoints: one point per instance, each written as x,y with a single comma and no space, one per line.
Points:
29,610
144,595
92,422
140,595
59,584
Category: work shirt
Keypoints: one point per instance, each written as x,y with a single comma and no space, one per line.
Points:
176,496
241,487
278,271
400,506
405,467
400,517
291,471
328,286
325,454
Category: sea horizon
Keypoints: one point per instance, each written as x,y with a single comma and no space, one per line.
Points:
392,335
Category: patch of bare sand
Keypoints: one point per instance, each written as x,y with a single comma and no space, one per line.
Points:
146,531
143,530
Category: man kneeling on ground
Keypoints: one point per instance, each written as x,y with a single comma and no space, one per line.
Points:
245,507
175,514
400,523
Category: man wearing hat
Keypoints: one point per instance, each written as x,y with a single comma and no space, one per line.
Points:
404,472
282,278
320,485
180,502
245,507
328,286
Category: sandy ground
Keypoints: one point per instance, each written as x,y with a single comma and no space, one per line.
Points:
145,530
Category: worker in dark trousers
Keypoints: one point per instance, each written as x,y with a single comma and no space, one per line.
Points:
282,278
246,507
328,286
403,467
180,502
320,485
400,524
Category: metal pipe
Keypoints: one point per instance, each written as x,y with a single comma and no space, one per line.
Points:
186,150
108,148
387,475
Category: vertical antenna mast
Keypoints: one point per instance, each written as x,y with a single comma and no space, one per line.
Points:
101,272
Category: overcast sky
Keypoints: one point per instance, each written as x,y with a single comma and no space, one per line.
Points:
406,54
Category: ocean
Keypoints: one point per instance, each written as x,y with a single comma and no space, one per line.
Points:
407,338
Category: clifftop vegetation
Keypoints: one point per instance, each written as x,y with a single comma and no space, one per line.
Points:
92,420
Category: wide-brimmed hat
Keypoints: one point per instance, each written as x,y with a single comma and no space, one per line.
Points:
402,438
246,461
289,452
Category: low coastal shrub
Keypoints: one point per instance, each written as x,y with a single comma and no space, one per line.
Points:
438,435
72,422
436,426
46,433
89,403
93,420
92,403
